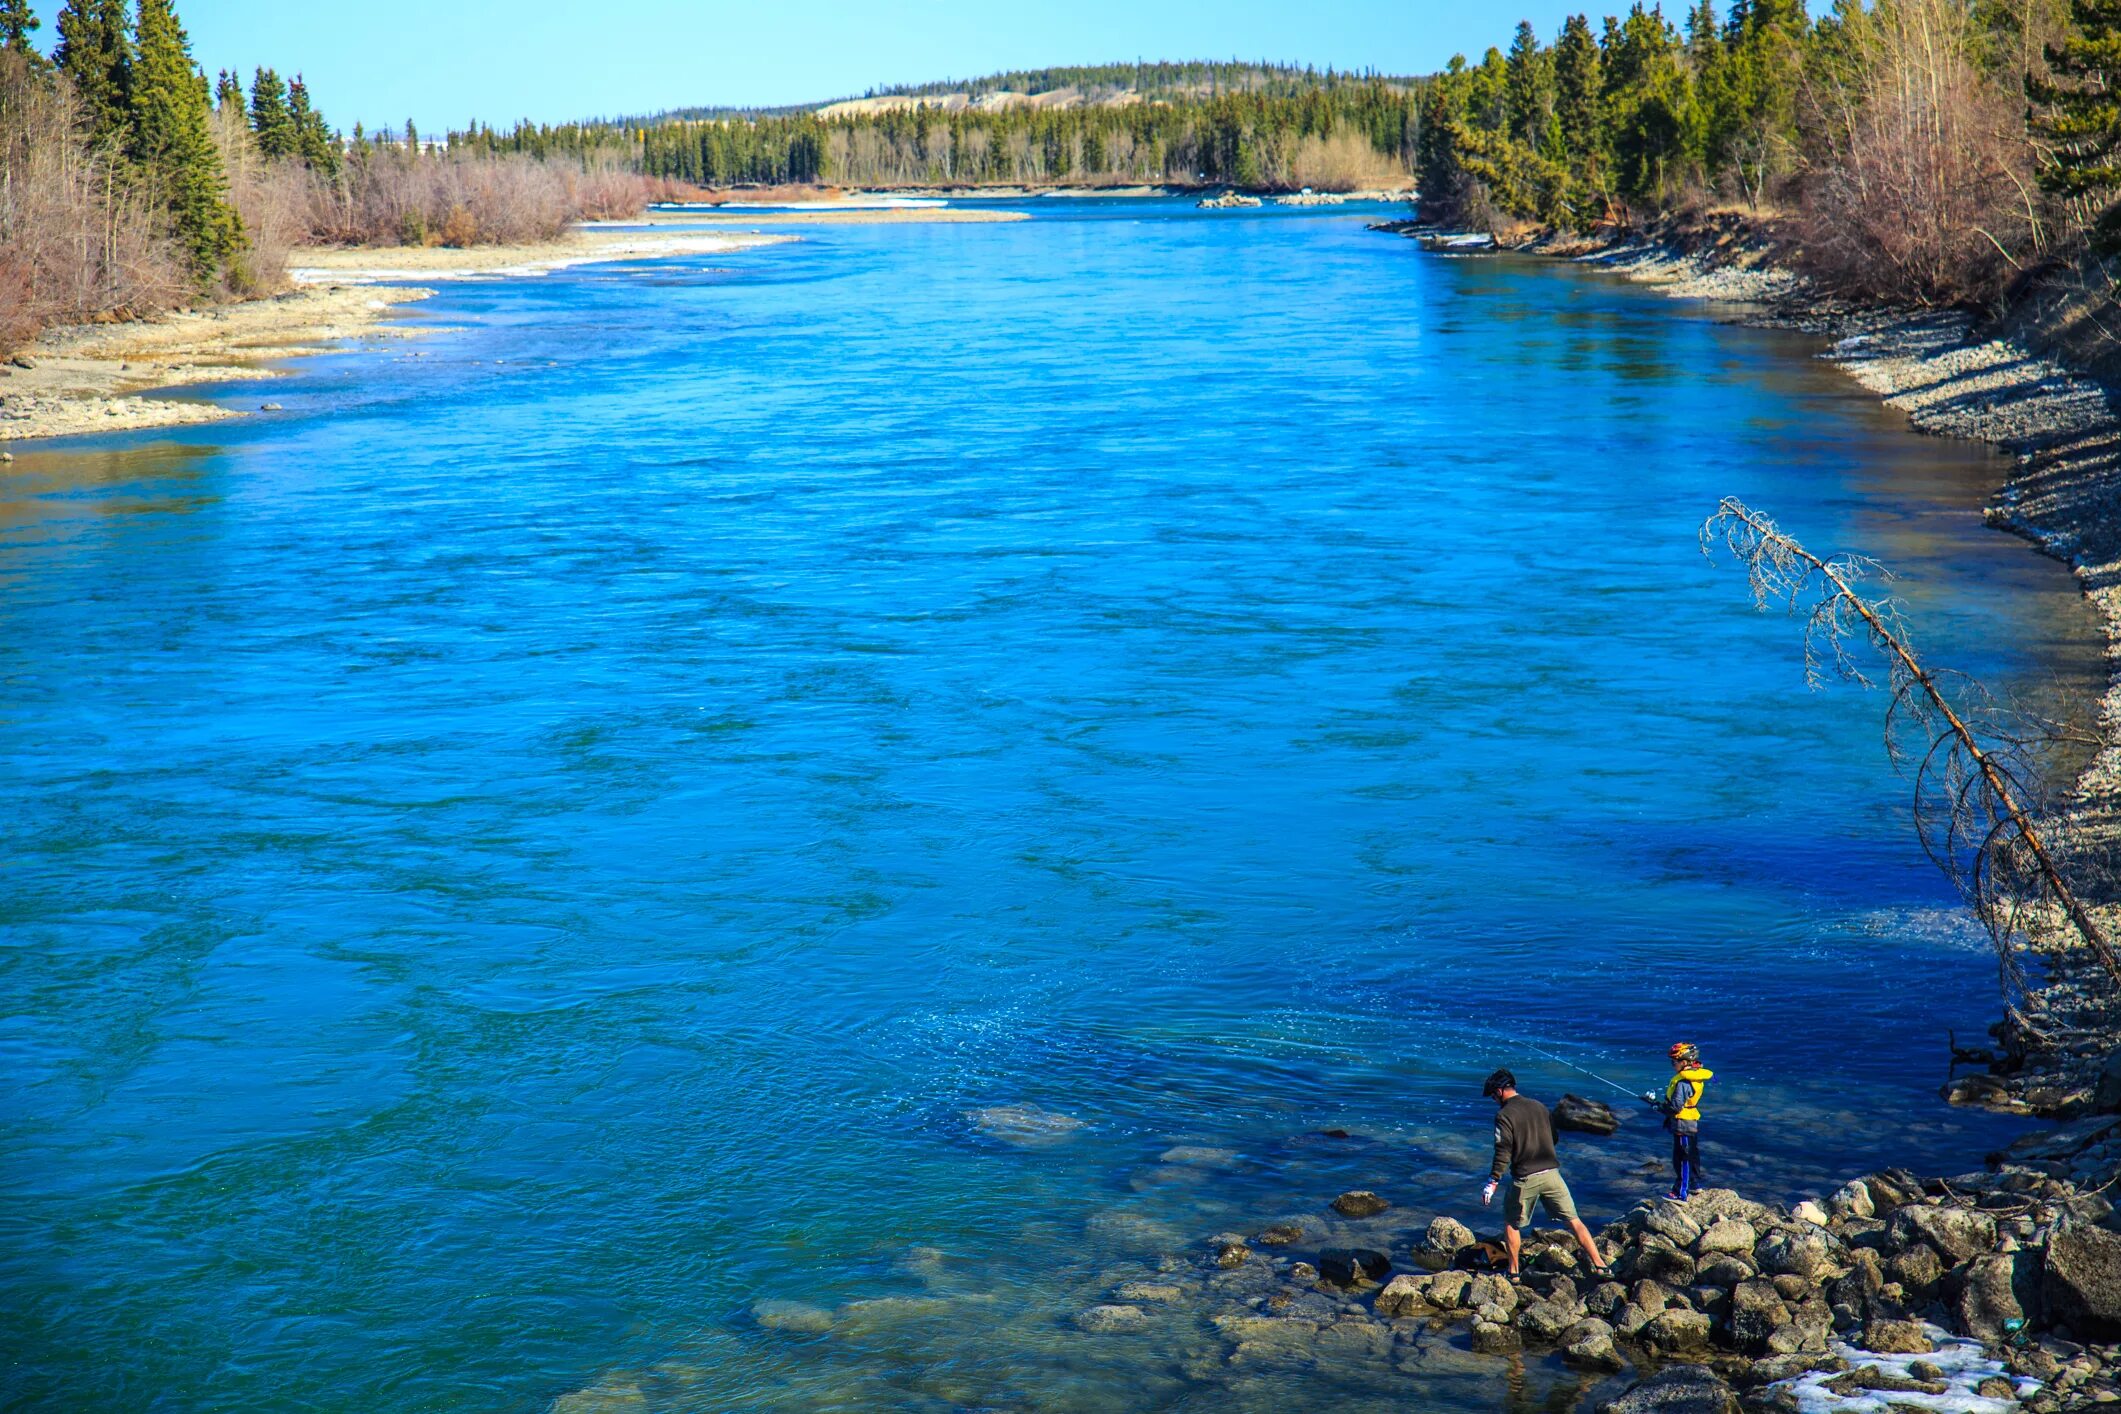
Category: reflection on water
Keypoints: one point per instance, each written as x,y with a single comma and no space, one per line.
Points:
519,861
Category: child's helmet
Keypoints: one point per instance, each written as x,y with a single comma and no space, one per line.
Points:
1685,1051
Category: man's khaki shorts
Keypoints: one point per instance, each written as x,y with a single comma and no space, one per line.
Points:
1545,1187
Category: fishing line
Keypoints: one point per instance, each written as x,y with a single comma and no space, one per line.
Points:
1536,1050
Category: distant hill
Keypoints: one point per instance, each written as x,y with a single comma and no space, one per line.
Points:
1063,86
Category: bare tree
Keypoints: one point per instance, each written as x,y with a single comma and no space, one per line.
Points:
1980,769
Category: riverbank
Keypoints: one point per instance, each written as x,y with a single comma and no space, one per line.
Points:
96,378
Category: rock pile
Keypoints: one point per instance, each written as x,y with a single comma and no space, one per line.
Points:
1228,200
1880,1291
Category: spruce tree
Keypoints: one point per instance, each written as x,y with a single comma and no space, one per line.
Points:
228,93
2081,119
17,23
271,121
314,143
96,52
174,143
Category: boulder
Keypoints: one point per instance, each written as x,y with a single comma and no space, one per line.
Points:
1491,1290
1810,1212
1280,1235
1447,1290
1544,1320
1668,1220
1353,1266
1441,1242
1605,1298
1359,1203
1496,1338
1406,1295
2081,1285
1231,1254
1303,1273
1757,1312
1584,1116
1660,1261
1103,1320
1809,1254
1677,1330
1588,1345
1959,1233
1676,1389
1918,1270
1999,1288
1851,1200
1723,1269
1888,1337
1148,1293
1629,1318
1728,1235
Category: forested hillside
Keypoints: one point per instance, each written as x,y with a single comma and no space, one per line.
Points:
1930,150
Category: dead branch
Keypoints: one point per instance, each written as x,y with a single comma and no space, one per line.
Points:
1977,772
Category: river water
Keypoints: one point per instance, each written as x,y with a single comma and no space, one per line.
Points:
566,833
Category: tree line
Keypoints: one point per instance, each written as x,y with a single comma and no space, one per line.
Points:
130,183
1917,149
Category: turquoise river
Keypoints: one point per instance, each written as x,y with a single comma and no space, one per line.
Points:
617,811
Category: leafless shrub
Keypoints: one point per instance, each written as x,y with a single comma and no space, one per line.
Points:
273,196
1920,186
1980,770
387,196
79,238
1344,161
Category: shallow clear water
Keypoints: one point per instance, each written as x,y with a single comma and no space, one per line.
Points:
541,845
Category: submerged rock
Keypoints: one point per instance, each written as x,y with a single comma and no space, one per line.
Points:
797,1316
1103,1320
1353,1266
1583,1116
1677,1389
1027,1125
1359,1203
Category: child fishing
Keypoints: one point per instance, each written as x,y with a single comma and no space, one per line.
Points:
1681,1107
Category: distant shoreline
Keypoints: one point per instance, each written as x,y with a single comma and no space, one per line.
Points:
88,378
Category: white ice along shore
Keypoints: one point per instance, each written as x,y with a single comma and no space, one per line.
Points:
1964,1367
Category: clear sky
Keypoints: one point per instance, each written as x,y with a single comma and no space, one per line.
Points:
440,62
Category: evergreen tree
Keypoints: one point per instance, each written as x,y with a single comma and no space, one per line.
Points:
1529,90
228,93
96,52
2080,98
272,123
314,142
173,142
1579,77
17,23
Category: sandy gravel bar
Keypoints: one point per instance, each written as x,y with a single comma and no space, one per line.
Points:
852,216
91,378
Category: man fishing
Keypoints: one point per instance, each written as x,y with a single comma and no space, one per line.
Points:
1524,1146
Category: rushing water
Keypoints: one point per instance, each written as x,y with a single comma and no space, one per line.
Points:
540,846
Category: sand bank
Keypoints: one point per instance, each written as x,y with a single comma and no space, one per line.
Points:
91,378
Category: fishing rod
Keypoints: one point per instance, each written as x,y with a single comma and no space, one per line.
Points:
1580,1070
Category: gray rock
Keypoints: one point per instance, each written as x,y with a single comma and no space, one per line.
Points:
1888,1337
1103,1320
1918,1269
1280,1235
1544,1320
1660,1261
1574,1112
270,407
1588,1345
2081,1286
1442,1241
1999,1288
1809,1254
1605,1298
1231,1254
1148,1293
1447,1290
1359,1203
1406,1295
1959,1233
2106,1095
1727,1235
1669,1220
1496,1337
1723,1269
1851,1200
1303,1273
1353,1266
1676,1389
1027,1125
1757,1312
1677,1330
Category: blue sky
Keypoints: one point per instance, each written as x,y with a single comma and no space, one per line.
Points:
442,61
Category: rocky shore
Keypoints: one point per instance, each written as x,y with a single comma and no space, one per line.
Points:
1991,1291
